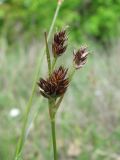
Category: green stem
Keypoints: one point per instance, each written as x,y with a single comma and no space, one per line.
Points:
22,138
72,74
52,113
48,54
54,63
54,138
28,107
54,19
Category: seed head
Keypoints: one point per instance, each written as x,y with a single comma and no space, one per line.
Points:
80,57
59,43
56,85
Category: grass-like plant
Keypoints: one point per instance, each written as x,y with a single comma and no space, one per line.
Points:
21,141
56,84
54,87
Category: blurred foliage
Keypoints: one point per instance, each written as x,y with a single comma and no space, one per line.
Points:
95,19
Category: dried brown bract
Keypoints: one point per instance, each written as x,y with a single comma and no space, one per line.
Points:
59,43
56,85
80,57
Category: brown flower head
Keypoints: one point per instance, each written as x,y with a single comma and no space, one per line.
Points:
56,85
80,57
59,43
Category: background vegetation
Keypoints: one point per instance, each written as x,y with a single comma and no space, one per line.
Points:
95,19
88,120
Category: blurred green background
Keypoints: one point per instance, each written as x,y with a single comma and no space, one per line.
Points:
89,117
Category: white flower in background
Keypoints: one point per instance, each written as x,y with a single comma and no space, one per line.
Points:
14,112
98,93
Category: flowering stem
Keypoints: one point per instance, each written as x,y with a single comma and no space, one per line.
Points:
52,113
28,107
54,138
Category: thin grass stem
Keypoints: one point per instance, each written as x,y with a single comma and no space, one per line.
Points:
54,138
73,70
54,63
48,55
21,141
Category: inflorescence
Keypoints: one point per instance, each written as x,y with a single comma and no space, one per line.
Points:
57,82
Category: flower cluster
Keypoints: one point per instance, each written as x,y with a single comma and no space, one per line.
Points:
80,57
57,83
59,43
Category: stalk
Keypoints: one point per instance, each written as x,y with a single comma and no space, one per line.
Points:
54,63
54,19
21,141
54,138
48,54
73,70
52,113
